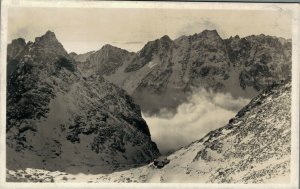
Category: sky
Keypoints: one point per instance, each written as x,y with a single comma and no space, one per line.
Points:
85,29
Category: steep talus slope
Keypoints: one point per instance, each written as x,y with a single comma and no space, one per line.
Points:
164,72
254,147
58,119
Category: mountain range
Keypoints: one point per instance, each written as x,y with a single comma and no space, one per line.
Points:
82,113
165,72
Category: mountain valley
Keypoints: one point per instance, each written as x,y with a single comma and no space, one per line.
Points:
82,117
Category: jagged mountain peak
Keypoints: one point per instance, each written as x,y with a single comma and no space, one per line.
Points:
82,115
153,50
163,40
210,34
108,47
45,47
18,41
234,37
241,66
166,38
262,38
49,36
73,54
204,60
50,33
104,61
15,47
161,44
13,50
49,44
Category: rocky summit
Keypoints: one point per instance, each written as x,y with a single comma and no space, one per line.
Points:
13,50
59,119
102,62
165,71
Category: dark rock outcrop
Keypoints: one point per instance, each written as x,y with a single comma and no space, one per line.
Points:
104,61
13,50
165,72
57,118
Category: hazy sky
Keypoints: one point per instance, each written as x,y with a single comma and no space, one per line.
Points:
84,29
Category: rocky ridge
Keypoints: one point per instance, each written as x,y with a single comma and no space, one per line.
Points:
58,119
254,147
102,62
164,72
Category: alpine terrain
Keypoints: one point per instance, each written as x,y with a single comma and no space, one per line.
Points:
77,117
165,72
60,119
254,147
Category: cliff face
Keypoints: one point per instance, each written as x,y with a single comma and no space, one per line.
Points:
254,147
261,59
102,62
57,118
164,72
13,50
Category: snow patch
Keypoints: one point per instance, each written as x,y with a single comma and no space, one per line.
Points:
152,64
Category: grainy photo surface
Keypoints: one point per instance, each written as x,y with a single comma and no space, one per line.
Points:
148,94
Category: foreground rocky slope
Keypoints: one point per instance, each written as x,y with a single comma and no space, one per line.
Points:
58,119
164,72
254,147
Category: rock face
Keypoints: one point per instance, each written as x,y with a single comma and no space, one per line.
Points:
102,62
57,118
261,59
254,147
13,50
15,47
164,72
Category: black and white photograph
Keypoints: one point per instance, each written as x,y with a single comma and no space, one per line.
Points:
149,92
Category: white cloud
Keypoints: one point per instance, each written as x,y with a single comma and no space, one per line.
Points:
205,111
